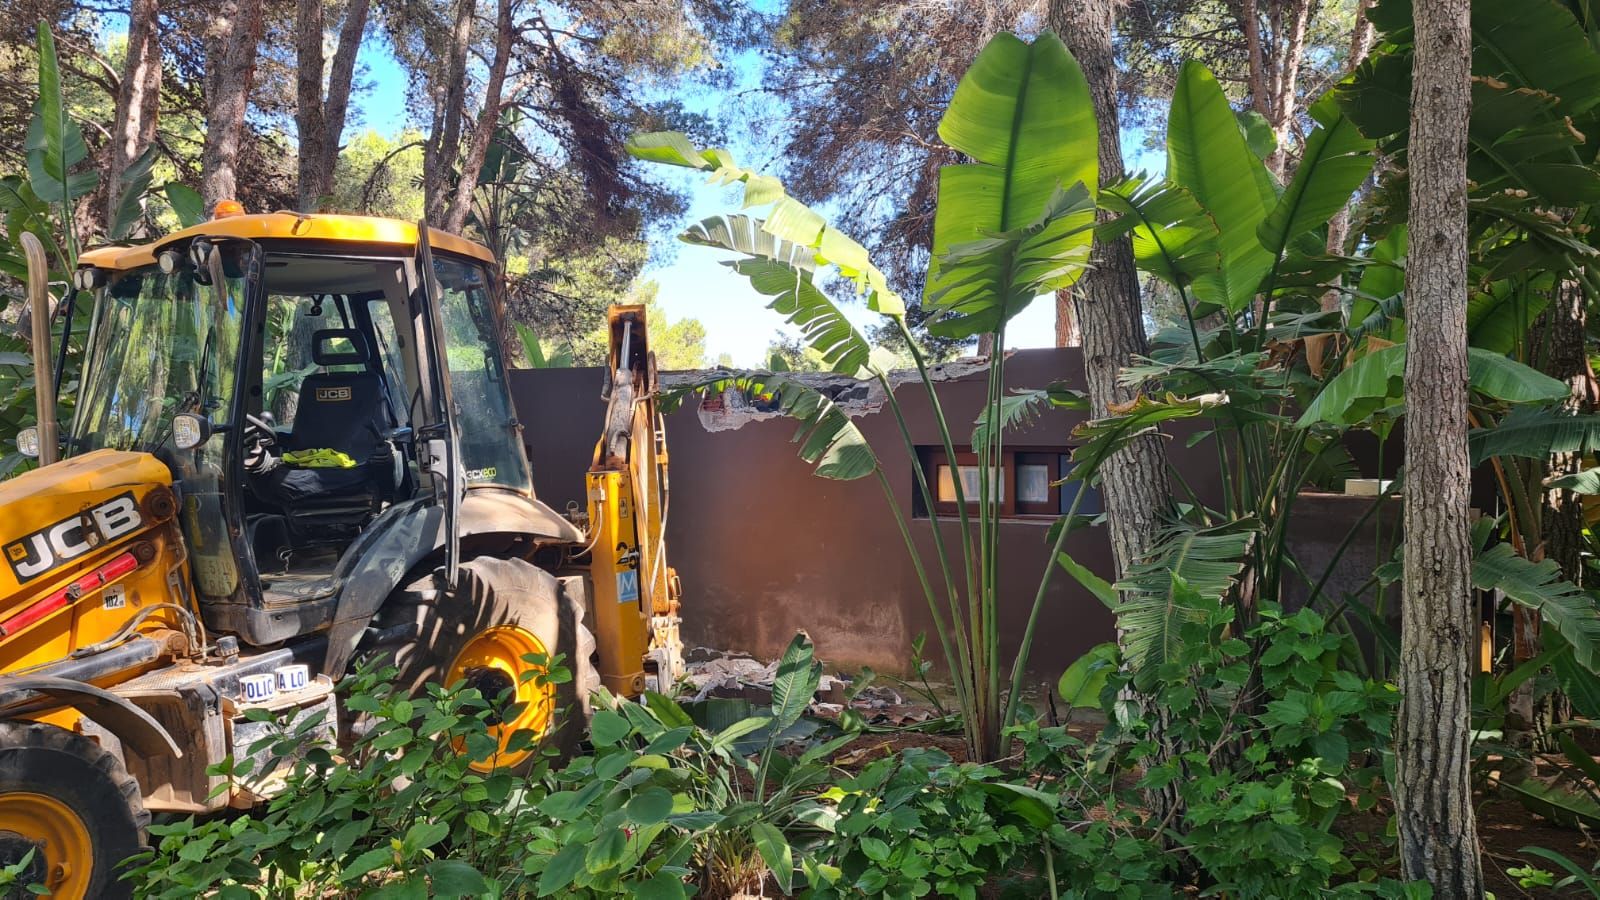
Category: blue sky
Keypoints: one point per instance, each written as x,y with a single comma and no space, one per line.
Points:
693,282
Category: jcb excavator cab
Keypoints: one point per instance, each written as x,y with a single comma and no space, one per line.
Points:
293,442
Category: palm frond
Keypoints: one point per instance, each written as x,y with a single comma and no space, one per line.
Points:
1190,570
1539,586
1536,433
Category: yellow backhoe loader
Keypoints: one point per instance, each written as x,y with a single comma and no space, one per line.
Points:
294,446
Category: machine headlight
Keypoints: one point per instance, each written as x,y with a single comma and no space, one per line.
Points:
28,442
171,261
88,278
189,431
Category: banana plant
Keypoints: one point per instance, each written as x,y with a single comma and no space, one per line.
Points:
1013,223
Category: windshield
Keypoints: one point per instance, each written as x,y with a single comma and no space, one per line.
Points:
491,444
160,345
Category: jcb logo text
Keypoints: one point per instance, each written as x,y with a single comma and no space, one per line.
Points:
37,553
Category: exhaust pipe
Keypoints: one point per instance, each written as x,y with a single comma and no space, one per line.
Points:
44,388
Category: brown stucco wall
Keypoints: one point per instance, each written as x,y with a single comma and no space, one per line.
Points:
764,547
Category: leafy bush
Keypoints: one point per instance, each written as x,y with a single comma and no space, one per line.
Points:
1277,739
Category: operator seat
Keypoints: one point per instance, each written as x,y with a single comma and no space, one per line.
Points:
344,411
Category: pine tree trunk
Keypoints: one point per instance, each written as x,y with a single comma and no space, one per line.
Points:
318,121
443,147
1068,334
1565,327
311,129
1433,790
230,73
1111,322
488,120
1109,315
138,100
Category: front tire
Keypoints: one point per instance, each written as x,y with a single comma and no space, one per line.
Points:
501,611
74,805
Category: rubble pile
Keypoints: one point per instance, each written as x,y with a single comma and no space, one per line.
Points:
728,675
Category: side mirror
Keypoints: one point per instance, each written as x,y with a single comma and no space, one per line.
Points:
190,430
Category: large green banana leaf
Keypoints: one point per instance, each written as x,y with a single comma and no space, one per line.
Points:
54,143
1383,278
1535,433
783,271
1540,587
1174,238
986,281
1536,97
790,220
1207,154
1336,161
1024,115
1375,383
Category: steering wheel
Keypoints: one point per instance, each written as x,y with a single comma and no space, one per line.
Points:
259,423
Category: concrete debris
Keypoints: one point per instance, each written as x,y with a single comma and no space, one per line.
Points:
734,408
713,673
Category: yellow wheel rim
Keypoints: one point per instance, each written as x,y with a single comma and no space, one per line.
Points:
65,851
493,661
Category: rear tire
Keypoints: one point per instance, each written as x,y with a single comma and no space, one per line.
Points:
74,804
512,599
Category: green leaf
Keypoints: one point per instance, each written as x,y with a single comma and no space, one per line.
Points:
783,271
454,878
1023,113
650,806
1375,383
531,346
799,675
1539,586
670,147
1099,438
775,852
1563,806
1207,154
564,867
727,737
1189,570
1536,433
370,861
608,728
1174,238
423,835
607,849
1094,584
1257,133
186,204
664,886
132,187
1585,482
54,143
1082,682
1020,407
1336,161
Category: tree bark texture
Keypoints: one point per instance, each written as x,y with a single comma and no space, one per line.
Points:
488,120
1433,791
230,73
1109,315
319,120
443,146
1274,55
1565,325
138,103
1068,334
